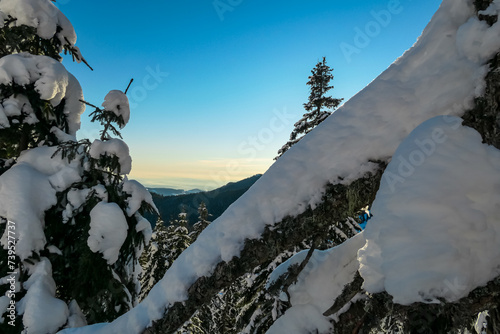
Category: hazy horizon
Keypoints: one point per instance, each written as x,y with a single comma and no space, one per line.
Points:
189,184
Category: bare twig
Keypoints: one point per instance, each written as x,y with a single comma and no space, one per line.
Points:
131,80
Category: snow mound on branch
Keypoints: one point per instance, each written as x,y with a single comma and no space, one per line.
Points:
76,317
325,274
435,231
138,194
144,226
16,106
77,197
108,230
317,286
117,102
42,312
26,194
301,319
52,81
480,49
116,147
435,77
42,15
28,189
61,173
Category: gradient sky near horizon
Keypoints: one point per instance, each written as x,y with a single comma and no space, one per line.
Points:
219,84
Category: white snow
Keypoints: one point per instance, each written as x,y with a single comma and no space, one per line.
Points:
283,268
54,250
25,194
15,106
116,147
117,102
4,304
76,317
101,192
481,323
301,319
439,75
138,194
479,49
319,284
493,9
61,174
108,230
42,312
144,226
28,189
51,80
77,197
62,136
3,17
326,273
4,121
435,230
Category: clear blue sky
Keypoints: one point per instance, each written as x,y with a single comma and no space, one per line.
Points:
219,84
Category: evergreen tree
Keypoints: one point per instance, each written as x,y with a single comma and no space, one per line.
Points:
167,243
219,315
153,260
318,105
202,222
78,226
193,326
177,237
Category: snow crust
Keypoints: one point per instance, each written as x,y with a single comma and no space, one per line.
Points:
52,81
116,147
435,231
117,102
108,230
439,75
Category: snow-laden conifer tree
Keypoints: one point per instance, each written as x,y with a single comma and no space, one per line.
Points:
167,243
70,220
177,237
318,107
154,259
202,222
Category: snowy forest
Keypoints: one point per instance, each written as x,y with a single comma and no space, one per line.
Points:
388,228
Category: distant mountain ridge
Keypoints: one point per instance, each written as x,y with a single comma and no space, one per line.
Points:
217,201
172,191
